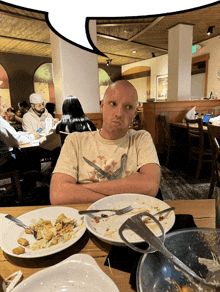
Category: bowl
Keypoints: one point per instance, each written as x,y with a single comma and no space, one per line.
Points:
196,247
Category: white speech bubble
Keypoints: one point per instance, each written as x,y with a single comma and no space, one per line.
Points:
68,18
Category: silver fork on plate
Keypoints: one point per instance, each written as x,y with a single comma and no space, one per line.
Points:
117,212
20,223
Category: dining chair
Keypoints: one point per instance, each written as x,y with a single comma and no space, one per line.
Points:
199,149
15,181
170,143
216,111
63,136
214,137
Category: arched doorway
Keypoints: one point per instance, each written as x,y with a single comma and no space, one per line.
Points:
4,86
104,82
43,82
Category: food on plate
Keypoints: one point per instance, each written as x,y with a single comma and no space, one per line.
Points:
18,250
49,232
23,241
28,231
108,227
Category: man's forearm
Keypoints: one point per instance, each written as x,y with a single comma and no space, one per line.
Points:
66,191
136,183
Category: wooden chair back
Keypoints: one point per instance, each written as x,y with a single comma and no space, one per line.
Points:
14,176
195,134
198,148
166,127
214,137
63,136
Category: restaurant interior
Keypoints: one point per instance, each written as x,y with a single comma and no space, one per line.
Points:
141,50
173,62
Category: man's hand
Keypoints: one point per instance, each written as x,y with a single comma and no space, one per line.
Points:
36,136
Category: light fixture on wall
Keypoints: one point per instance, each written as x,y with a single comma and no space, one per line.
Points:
210,30
108,62
153,55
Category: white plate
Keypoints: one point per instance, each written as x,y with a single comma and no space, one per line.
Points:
139,203
77,273
12,231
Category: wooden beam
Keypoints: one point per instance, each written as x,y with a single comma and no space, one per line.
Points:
121,24
146,28
21,16
24,40
125,41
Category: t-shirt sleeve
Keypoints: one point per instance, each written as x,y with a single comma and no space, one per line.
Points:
67,162
146,151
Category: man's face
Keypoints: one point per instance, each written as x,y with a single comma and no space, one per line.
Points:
3,107
39,108
118,108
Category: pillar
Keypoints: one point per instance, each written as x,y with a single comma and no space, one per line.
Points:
179,62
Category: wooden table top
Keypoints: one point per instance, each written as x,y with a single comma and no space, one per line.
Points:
203,212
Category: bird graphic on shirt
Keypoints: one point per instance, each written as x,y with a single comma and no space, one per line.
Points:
117,174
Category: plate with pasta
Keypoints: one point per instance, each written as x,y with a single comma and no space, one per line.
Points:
57,229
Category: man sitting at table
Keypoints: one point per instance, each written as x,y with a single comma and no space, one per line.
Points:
35,117
11,139
114,160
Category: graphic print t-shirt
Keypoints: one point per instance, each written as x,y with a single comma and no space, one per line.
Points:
89,158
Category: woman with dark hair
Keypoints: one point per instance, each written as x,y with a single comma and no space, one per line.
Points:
51,108
74,119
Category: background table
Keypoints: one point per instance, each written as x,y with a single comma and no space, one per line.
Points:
203,212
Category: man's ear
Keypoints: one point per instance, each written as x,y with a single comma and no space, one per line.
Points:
32,105
102,104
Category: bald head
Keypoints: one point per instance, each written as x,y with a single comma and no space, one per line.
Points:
122,85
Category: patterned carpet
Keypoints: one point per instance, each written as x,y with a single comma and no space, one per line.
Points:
178,179
177,185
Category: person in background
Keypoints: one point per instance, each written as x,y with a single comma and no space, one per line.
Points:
10,115
113,160
51,108
10,140
74,119
22,109
35,117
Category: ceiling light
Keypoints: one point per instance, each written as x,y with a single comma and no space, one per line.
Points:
108,62
134,52
210,30
153,55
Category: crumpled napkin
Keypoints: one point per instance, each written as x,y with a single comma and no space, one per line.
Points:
9,283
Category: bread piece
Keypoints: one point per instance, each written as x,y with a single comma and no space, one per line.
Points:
23,241
18,250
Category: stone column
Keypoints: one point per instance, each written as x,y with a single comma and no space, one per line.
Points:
75,73
179,62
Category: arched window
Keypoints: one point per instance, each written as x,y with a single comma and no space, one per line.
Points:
43,82
4,86
104,82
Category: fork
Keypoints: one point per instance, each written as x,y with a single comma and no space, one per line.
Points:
20,223
117,212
